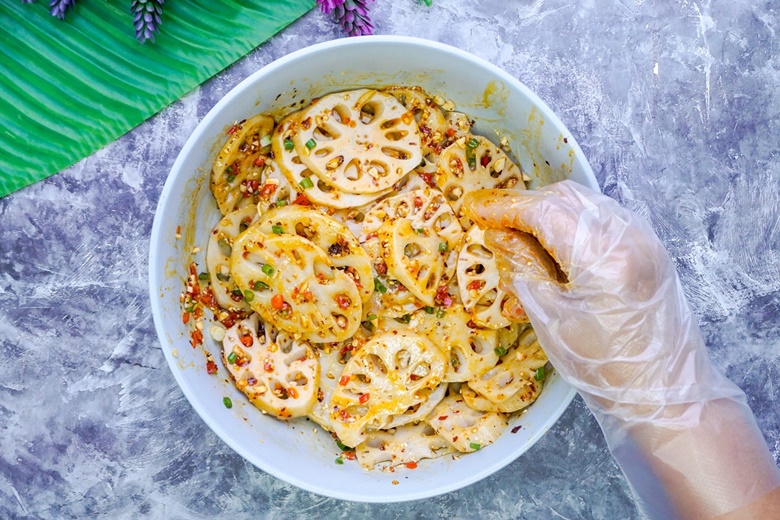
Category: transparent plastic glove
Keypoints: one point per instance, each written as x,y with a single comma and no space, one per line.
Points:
620,331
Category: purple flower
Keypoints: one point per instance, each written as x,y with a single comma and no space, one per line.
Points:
147,17
329,5
353,17
58,8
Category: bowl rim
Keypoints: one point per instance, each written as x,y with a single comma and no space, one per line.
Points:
155,283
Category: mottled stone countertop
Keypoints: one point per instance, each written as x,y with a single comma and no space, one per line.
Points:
676,105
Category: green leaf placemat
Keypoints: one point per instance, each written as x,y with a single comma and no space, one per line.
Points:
68,88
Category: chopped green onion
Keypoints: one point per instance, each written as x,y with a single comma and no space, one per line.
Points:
306,183
474,446
223,277
288,144
540,374
339,460
367,325
473,143
227,402
232,358
280,203
268,269
260,286
420,231
404,319
371,317
342,446
443,247
203,276
454,362
379,286
249,296
190,308
429,310
311,143
265,141
231,178
277,229
500,351
440,313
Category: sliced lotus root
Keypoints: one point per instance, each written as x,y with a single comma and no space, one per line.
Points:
389,376
403,445
293,284
275,189
278,374
391,298
360,141
466,429
521,399
330,372
515,370
302,178
333,237
474,163
415,237
478,282
426,112
470,349
227,294
235,175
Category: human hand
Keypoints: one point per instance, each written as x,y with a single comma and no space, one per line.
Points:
613,319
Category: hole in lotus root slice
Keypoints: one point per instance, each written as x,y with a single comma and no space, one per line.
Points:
295,171
462,169
351,162
240,160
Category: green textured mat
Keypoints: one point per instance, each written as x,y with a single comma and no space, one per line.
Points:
68,88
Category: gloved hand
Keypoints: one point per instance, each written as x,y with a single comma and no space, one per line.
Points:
614,322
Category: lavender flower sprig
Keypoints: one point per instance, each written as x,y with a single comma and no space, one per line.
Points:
147,17
352,15
58,8
329,5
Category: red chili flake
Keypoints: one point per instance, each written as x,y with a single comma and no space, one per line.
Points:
292,392
268,366
208,299
516,429
344,380
211,367
455,439
343,301
566,140
443,297
268,190
475,285
418,202
344,415
427,177
197,313
484,161
251,187
196,338
231,130
411,465
370,236
450,132
259,162
349,454
302,200
381,268
443,417
364,398
246,340
415,377
470,324
185,317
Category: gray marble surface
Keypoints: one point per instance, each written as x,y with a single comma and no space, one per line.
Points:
675,103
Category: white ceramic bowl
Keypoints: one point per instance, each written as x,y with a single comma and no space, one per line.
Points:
298,452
